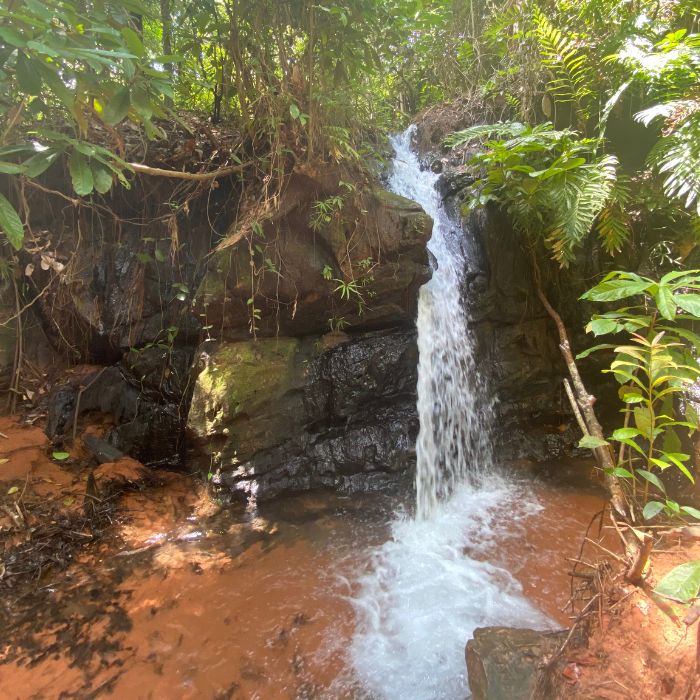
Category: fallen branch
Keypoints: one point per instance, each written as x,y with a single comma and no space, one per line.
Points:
182,175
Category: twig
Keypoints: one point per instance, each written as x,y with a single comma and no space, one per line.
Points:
607,551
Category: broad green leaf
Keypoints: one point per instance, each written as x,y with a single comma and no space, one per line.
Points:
10,223
294,111
625,433
10,168
689,303
12,489
602,326
642,419
595,348
40,162
681,583
60,456
102,178
652,479
621,471
80,173
665,302
652,509
614,290
692,512
116,107
27,76
591,442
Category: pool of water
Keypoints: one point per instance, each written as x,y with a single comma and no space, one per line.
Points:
313,596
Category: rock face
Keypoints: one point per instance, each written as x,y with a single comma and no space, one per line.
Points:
287,414
503,663
300,407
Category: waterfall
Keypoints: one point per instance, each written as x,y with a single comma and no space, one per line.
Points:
455,414
429,586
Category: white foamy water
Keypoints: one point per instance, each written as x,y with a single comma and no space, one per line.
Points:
424,592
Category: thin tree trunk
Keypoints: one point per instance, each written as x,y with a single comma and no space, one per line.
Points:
167,28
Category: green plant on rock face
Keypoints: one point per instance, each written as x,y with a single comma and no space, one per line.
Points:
324,211
654,370
551,183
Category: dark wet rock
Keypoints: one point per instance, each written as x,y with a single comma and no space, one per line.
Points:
385,233
101,450
290,414
503,663
147,426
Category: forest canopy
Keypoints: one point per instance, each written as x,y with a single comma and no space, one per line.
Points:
305,80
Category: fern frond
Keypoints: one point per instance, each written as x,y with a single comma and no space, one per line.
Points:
677,157
576,206
480,131
571,70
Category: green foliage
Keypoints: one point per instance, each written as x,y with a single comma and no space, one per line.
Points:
654,370
572,80
551,183
682,583
66,69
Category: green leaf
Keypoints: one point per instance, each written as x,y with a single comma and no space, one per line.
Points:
595,348
294,111
625,433
652,479
60,456
652,509
602,326
665,302
28,78
40,162
80,173
117,107
692,512
642,419
612,290
591,442
12,489
102,178
621,471
681,583
11,224
690,303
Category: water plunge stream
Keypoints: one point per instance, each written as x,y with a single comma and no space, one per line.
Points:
426,590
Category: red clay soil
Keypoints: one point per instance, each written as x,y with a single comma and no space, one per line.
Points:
636,649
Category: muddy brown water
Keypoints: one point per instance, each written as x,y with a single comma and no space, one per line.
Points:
190,601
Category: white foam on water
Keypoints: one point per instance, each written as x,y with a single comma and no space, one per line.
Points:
425,592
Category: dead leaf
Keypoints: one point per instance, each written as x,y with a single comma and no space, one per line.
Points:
29,269
572,673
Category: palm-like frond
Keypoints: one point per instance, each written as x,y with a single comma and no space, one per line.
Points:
576,203
677,157
570,67
482,131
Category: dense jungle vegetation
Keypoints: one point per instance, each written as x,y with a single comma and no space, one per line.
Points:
590,113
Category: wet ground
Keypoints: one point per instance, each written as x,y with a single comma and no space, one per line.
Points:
181,598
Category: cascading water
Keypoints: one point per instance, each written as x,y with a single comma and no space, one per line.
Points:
423,596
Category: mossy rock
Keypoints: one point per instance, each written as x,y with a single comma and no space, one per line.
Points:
248,395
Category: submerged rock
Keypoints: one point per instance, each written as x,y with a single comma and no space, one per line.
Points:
503,663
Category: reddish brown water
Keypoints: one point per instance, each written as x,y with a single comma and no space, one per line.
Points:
189,601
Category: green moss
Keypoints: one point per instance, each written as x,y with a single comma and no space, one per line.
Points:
242,378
